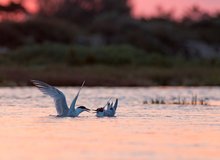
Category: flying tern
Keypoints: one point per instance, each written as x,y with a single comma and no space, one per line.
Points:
60,100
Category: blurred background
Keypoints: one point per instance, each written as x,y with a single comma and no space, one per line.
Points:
110,42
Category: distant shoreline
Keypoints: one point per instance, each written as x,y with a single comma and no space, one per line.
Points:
110,76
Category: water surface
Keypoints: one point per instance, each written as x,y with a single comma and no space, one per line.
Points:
139,131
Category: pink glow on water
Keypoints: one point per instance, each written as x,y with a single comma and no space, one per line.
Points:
139,131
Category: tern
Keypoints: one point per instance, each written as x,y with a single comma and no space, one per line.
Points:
109,111
60,100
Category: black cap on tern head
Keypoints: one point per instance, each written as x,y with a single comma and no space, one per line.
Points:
100,109
84,108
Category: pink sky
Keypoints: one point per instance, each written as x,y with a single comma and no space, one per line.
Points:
148,7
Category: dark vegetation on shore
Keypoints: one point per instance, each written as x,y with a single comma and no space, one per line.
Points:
66,43
179,100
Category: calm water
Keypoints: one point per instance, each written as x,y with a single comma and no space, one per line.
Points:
140,131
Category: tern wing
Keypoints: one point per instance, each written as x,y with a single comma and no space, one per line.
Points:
116,104
108,103
58,97
110,106
72,107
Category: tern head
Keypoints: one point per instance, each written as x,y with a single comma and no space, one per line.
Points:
82,109
100,112
99,109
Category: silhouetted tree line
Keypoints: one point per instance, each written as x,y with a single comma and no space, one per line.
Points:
82,12
104,22
13,7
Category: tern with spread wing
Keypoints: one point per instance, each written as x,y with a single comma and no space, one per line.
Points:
109,111
60,100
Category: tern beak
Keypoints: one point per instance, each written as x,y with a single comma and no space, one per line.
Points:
87,109
94,110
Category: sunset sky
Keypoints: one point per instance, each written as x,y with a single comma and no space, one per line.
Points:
148,7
